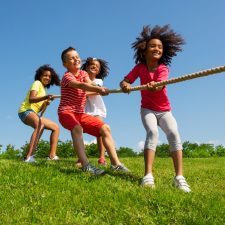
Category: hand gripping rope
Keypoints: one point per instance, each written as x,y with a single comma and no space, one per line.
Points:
190,76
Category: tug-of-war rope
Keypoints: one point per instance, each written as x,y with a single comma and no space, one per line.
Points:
190,76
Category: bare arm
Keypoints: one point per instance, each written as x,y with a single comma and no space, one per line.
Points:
125,85
87,86
34,99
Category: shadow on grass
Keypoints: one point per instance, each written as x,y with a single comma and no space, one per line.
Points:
68,167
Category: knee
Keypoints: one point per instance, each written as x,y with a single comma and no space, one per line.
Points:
105,129
56,127
172,135
77,130
153,134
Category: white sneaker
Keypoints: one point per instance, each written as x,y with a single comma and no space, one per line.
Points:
55,158
30,159
180,183
148,181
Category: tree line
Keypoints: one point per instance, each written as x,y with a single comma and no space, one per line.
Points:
65,150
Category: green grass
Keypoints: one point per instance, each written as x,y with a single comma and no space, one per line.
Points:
59,193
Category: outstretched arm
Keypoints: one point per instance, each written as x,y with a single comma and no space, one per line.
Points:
87,86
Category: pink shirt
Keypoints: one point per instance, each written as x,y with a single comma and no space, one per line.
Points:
153,100
72,99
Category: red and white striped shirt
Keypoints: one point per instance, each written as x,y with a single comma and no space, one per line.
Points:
72,99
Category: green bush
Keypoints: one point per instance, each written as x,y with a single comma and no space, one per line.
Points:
65,149
91,150
10,153
126,152
220,151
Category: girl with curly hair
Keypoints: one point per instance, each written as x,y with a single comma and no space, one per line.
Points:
97,70
154,50
34,102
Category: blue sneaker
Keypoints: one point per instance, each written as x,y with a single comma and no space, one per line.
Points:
93,170
120,168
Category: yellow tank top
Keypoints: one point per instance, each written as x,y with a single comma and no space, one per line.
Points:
36,86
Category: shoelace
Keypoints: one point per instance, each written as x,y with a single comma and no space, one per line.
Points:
182,182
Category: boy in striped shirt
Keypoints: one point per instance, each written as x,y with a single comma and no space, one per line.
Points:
72,116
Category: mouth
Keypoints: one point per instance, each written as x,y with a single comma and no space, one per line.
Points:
156,53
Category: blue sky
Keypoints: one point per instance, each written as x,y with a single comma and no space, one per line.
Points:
34,33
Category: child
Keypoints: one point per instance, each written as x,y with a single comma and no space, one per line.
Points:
74,85
154,49
97,70
35,99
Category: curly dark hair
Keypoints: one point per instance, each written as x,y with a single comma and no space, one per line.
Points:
171,43
104,69
55,77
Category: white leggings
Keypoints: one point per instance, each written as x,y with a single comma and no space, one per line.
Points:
151,120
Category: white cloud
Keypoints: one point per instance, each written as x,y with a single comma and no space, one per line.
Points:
140,146
90,142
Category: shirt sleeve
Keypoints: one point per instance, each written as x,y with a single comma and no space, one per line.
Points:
98,82
67,78
35,86
133,74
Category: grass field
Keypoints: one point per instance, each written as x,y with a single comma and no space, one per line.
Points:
59,193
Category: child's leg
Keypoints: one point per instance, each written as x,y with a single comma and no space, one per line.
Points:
109,144
149,156
50,125
101,148
177,162
78,143
149,121
169,126
34,121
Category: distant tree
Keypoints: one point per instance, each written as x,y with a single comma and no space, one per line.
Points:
162,150
126,152
220,150
65,149
11,153
91,150
189,149
207,150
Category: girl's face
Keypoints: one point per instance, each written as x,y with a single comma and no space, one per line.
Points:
46,77
93,68
154,50
72,61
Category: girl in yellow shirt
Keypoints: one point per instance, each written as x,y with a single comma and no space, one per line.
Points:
35,99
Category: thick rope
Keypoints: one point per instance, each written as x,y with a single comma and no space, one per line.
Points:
190,76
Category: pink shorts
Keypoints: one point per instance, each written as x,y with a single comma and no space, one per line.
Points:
90,124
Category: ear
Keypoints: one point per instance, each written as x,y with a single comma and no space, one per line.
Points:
64,64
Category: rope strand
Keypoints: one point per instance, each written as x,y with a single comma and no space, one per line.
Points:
190,76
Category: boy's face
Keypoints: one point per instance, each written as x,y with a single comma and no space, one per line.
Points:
72,61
